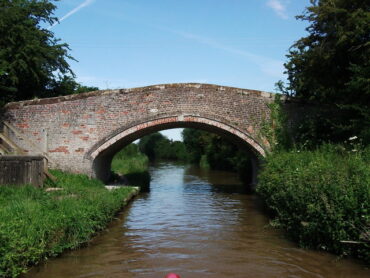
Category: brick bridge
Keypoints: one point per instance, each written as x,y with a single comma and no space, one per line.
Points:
81,133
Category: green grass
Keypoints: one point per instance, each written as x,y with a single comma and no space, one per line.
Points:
130,161
130,165
35,224
133,164
321,198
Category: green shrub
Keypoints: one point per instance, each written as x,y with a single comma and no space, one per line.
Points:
322,197
35,224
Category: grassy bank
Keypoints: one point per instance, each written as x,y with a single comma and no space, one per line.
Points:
133,164
35,224
130,160
321,198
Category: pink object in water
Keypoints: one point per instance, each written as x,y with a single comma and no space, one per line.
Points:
172,275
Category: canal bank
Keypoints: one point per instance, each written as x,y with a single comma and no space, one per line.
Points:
321,197
195,222
37,224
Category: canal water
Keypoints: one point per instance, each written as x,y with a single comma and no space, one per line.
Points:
196,223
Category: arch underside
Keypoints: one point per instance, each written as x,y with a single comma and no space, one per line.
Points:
101,154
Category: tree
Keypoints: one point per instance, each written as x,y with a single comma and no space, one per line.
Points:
32,61
216,152
150,144
157,146
196,141
330,69
67,86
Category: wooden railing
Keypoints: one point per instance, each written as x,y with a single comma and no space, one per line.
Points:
8,129
7,146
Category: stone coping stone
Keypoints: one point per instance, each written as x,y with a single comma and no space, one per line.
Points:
21,157
112,187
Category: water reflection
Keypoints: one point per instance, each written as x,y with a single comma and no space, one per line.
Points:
197,223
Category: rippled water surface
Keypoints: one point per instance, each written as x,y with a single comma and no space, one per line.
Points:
199,224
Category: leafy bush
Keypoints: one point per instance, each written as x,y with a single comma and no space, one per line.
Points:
322,197
35,224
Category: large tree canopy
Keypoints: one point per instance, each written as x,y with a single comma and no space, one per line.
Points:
33,63
330,69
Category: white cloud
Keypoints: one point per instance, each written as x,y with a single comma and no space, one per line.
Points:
278,7
73,11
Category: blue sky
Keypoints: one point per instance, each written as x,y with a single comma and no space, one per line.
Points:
124,44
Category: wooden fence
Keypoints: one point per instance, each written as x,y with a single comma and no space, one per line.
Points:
19,170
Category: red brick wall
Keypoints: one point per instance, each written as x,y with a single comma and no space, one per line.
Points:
81,131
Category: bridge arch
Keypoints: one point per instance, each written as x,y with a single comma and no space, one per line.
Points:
101,154
81,133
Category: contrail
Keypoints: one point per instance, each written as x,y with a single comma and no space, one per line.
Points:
75,10
268,65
